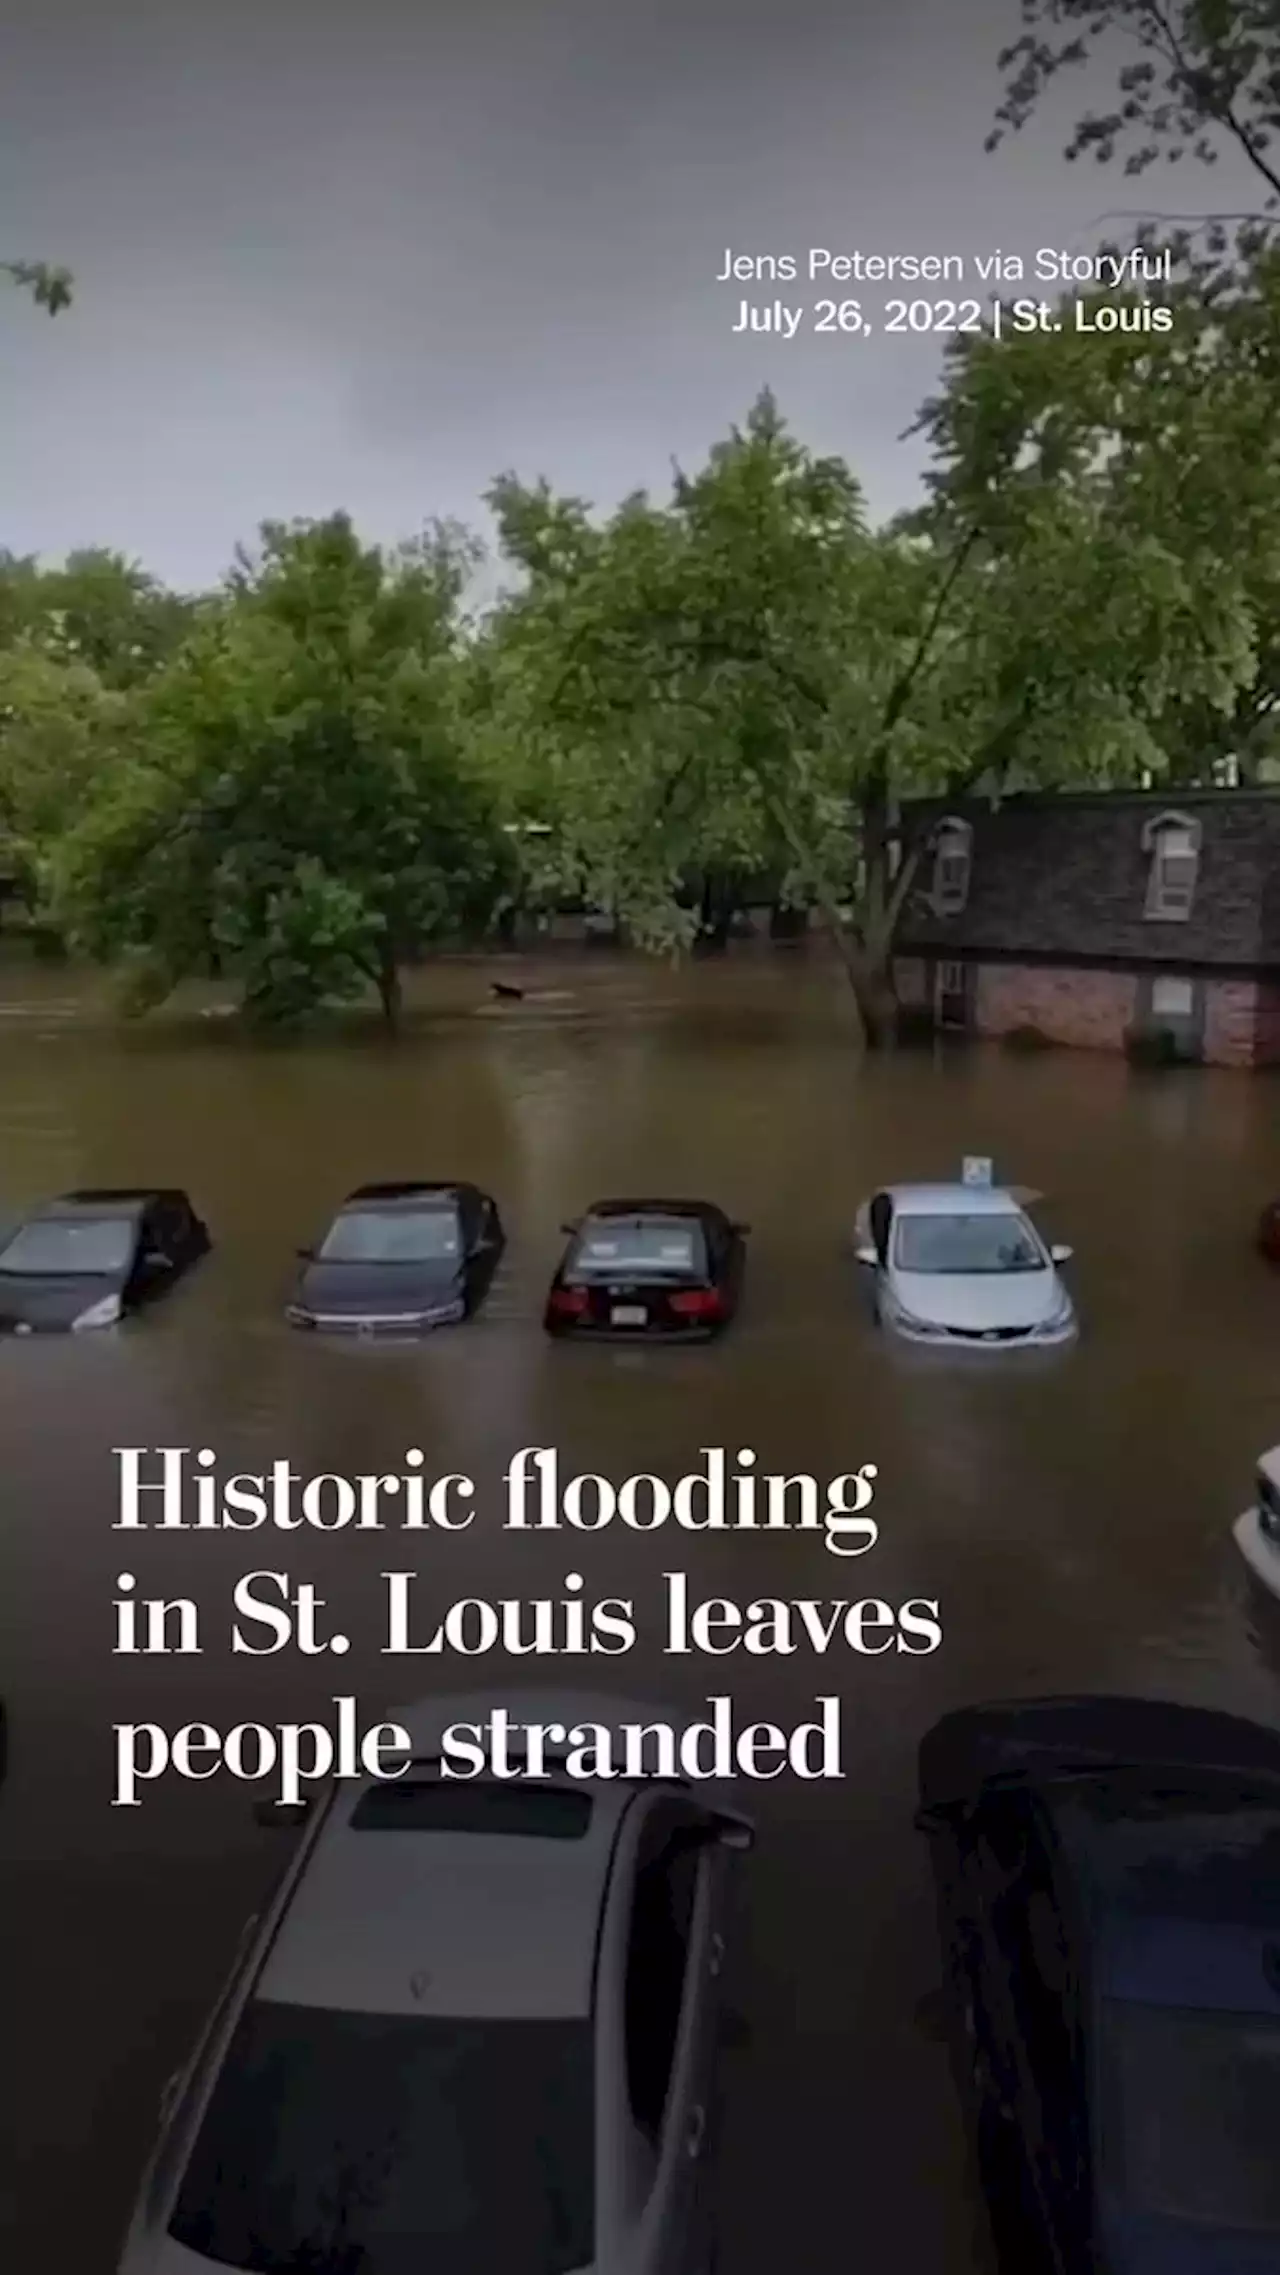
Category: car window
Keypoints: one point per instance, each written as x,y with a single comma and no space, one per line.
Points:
662,1911
649,1245
393,2143
393,1236
160,1231
1190,2114
980,1242
438,1805
71,1245
178,1221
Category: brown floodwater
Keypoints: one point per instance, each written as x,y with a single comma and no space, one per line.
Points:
1072,1520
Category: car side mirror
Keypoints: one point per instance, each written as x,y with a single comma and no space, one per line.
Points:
572,1226
305,1255
737,1833
158,1258
274,1816
866,1254
1061,1253
741,1229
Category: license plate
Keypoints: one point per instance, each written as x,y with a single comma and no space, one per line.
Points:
629,1315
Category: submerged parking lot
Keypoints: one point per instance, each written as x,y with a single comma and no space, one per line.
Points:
1071,1516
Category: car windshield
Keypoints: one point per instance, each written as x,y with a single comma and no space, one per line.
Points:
432,1805
78,1247
640,1244
389,2144
393,1236
1190,2114
984,1242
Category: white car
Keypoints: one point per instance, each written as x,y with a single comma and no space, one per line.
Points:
963,1265
1258,1530
476,2029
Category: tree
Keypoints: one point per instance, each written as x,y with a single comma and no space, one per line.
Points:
50,288
750,676
98,608
1168,445
1204,83
60,731
300,815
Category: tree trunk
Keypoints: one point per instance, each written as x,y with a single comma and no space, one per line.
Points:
390,993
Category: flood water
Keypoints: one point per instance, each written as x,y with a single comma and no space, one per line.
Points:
1073,1521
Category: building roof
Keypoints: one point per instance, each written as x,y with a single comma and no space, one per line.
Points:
1063,878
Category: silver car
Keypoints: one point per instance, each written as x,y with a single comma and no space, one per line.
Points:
963,1265
477,2029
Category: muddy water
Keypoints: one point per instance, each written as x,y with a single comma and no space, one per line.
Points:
1072,1521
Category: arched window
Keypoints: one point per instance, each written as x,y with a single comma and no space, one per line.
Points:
1173,843
952,863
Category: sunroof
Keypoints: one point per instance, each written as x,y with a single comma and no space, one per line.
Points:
447,1805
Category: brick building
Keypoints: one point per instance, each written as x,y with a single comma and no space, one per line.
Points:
1091,916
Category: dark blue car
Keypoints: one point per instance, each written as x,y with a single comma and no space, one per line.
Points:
1108,1876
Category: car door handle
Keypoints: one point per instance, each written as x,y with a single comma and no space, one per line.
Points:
716,1961
695,2132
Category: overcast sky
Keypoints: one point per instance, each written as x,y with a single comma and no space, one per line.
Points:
370,256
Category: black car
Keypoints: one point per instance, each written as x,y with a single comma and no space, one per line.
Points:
667,1270
1108,1875
86,1259
399,1259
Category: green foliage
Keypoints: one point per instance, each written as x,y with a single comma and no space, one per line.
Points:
60,732
299,816
1151,463
97,609
748,677
1205,78
663,679
50,288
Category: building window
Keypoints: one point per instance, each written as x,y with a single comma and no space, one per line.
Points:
1172,843
1172,998
952,862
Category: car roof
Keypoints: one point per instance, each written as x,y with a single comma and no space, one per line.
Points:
1191,1856
128,1200
945,1200
405,1194
475,1925
1038,1740
652,1207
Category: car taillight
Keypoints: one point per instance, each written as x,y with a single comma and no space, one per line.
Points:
696,1303
568,1303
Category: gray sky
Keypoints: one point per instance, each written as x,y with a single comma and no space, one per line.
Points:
368,257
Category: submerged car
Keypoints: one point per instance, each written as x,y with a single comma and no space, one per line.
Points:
399,1259
964,1265
478,2028
1257,1532
86,1259
667,1270
1108,1880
